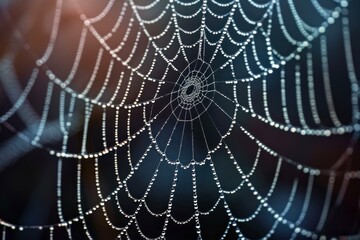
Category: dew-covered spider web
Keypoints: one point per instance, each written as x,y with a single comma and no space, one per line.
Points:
179,119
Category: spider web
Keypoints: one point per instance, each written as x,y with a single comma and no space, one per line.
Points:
180,119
